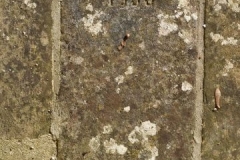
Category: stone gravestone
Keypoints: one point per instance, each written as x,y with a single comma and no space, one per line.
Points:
128,72
25,80
221,129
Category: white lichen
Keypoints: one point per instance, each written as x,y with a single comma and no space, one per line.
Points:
148,153
232,4
119,79
126,109
168,146
156,104
216,37
166,25
142,45
94,143
186,36
107,129
187,18
77,60
129,70
133,136
187,8
183,3
30,4
89,7
224,41
217,7
186,86
148,129
118,90
112,147
229,41
228,66
178,14
92,23
194,16
44,39
7,38
143,132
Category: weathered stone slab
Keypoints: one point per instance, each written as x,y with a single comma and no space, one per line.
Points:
42,148
25,68
222,69
136,103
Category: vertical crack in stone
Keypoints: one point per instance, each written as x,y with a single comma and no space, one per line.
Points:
196,155
56,33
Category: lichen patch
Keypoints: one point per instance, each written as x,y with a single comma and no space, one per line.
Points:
44,39
129,70
30,4
224,41
77,60
142,45
228,66
186,36
183,3
232,4
140,135
112,147
92,23
166,25
216,37
144,131
94,143
119,79
186,86
229,41
89,7
148,153
127,109
107,129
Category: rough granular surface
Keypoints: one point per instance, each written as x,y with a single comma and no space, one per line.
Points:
25,68
221,129
136,102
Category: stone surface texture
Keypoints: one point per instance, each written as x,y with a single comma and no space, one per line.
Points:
25,68
119,79
42,148
25,80
222,59
153,75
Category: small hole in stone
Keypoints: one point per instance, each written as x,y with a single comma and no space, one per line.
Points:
84,153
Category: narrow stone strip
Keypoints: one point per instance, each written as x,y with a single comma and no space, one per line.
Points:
56,33
199,84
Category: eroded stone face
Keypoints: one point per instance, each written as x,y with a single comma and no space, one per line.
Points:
41,148
137,90
222,70
25,68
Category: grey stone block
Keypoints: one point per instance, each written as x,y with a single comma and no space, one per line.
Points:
127,99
